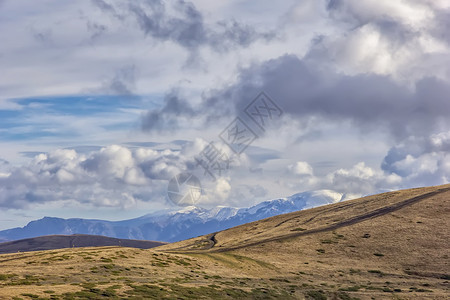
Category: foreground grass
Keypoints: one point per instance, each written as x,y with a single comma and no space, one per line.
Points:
125,273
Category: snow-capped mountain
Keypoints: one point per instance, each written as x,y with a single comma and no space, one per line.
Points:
171,226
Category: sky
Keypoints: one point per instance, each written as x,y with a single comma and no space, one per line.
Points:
103,102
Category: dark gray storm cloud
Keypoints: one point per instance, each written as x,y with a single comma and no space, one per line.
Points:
441,25
188,30
315,86
304,89
167,118
368,100
106,7
182,23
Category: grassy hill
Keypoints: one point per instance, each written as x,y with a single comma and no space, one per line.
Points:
51,242
388,246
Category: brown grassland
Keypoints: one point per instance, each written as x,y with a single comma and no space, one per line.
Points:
388,246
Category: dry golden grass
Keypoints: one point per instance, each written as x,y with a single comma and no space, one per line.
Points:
388,246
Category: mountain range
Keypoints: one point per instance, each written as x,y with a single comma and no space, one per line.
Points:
172,225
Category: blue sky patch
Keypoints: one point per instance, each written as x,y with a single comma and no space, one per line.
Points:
42,117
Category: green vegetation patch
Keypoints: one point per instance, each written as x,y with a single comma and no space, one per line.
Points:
4,277
148,291
316,295
299,229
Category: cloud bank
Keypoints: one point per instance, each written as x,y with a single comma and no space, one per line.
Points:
113,176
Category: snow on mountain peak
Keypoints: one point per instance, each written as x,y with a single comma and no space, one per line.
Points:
176,223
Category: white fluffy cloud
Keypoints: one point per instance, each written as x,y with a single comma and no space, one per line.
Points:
301,168
113,176
421,161
117,176
416,162
362,180
384,37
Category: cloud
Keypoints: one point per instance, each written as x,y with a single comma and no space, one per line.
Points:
357,76
362,180
362,74
421,161
120,177
384,37
113,176
187,30
4,168
301,168
106,7
182,23
411,13
121,83
441,25
96,30
218,192
372,102
175,110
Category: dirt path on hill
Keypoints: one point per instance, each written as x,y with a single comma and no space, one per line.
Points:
369,215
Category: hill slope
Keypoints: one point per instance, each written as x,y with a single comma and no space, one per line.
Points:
388,246
52,242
